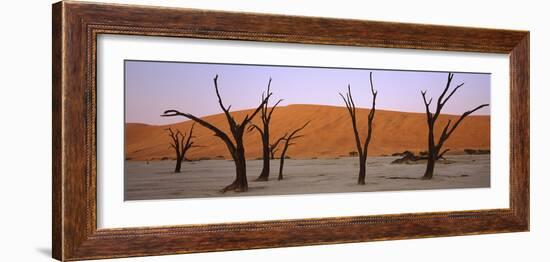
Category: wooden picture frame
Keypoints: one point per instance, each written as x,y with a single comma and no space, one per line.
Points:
76,26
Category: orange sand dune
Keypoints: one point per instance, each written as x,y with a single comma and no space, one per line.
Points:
329,134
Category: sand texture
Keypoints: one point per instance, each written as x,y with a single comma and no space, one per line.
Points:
200,179
328,135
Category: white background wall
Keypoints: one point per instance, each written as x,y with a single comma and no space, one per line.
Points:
25,136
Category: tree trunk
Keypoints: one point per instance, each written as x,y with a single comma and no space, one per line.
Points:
240,184
361,149
281,168
178,164
236,148
264,176
362,169
283,156
429,168
433,147
432,154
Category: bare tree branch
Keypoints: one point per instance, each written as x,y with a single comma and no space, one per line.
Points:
433,147
235,145
362,150
273,109
188,143
288,138
449,80
440,156
230,119
247,119
467,113
257,128
293,133
427,105
217,131
451,94
351,109
181,144
371,117
273,147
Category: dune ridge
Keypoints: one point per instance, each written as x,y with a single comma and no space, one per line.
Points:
328,135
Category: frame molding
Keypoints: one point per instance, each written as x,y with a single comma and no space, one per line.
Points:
75,27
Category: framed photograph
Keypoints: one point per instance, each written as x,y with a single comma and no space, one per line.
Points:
181,130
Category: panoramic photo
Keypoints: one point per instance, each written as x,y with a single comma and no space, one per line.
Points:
197,130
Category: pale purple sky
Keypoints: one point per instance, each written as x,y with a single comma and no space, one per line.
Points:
152,87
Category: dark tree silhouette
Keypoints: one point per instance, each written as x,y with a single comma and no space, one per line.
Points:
181,143
235,143
362,150
274,147
288,142
433,147
265,115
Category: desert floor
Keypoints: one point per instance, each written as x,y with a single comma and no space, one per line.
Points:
199,179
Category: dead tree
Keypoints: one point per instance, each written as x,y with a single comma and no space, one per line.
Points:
265,115
235,143
181,143
274,147
362,150
433,147
288,142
